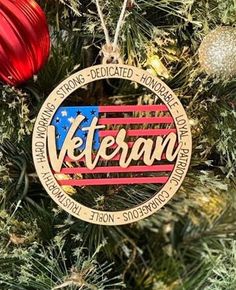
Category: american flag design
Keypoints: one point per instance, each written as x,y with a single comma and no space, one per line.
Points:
64,118
147,121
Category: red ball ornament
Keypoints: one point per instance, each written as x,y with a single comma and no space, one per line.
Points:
24,40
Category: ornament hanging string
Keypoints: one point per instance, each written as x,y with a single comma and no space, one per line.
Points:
111,51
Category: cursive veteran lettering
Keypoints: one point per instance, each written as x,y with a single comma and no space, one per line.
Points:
146,148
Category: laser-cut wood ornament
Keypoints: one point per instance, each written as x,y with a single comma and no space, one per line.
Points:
140,148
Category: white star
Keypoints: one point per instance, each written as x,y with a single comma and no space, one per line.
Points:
71,120
64,113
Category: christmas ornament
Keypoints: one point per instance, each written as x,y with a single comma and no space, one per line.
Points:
217,53
110,146
24,40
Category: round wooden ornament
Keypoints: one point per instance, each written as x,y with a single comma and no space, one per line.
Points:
143,148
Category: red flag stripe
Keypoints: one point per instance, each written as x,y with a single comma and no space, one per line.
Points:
141,132
117,169
140,120
132,108
113,181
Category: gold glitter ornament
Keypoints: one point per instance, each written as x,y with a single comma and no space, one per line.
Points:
217,52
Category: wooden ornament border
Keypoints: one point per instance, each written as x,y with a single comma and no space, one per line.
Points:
50,107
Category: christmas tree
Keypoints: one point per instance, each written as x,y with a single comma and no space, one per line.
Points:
190,242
